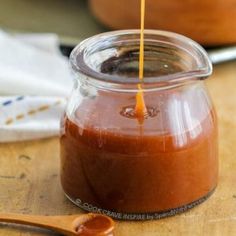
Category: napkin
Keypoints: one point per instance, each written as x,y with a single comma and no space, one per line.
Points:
35,83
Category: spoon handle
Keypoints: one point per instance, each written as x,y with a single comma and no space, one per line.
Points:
56,223
224,54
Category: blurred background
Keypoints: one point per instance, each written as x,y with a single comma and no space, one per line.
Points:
210,22
70,19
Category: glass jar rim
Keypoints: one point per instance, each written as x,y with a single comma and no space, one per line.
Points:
202,70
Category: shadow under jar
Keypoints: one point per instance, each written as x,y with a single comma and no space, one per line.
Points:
112,164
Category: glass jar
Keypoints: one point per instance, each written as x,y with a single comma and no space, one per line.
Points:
113,164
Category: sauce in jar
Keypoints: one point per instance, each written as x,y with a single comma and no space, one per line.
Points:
113,164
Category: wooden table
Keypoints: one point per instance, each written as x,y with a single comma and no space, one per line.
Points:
29,179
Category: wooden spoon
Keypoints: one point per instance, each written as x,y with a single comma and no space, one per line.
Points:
83,225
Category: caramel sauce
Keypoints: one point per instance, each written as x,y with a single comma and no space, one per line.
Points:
121,171
140,108
94,225
108,163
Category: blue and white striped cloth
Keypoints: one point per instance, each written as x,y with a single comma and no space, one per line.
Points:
34,84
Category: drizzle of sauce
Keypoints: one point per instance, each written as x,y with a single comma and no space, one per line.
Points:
140,108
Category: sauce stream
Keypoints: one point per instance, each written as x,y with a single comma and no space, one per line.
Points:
140,108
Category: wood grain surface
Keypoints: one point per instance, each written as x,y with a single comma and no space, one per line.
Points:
29,179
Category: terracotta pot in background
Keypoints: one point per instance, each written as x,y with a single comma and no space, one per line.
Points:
210,22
